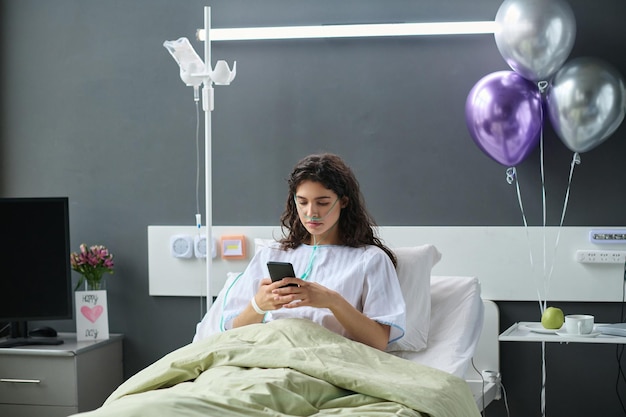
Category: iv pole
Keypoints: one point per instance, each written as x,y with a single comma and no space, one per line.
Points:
207,106
194,72
221,75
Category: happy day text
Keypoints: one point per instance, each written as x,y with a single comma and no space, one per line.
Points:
90,299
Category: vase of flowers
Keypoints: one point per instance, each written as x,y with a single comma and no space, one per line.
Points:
92,318
92,263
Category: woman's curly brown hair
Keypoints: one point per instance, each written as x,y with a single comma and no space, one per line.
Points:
356,227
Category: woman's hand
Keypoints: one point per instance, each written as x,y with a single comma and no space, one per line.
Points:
360,327
303,293
266,297
265,300
275,295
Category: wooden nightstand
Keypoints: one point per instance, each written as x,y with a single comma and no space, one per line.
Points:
59,380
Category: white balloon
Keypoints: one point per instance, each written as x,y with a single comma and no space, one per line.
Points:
535,37
586,103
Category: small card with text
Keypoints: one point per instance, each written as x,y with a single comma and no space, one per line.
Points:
92,319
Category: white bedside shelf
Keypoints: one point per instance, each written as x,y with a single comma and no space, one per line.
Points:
520,332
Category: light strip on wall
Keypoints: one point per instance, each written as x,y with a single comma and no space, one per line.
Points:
349,31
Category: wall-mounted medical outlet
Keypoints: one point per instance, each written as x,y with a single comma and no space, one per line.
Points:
607,236
181,246
593,256
200,247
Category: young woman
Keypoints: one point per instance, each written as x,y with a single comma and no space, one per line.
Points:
345,276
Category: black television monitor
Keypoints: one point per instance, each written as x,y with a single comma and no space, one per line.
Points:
35,270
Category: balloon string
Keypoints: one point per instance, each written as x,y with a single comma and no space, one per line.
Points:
543,85
575,161
511,176
543,379
543,305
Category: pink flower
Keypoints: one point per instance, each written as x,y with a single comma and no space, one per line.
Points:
92,262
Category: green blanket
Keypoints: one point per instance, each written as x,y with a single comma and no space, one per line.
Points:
289,367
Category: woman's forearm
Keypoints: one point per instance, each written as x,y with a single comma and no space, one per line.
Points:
360,327
247,316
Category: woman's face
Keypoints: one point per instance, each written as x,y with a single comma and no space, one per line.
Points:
319,209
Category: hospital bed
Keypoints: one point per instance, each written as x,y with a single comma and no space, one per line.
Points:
447,366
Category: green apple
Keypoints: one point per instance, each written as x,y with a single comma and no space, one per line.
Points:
552,318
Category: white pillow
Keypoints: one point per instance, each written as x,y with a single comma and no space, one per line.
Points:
414,266
456,321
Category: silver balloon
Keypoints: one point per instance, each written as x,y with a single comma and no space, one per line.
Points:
535,37
586,103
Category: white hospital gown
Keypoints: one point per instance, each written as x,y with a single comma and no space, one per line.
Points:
365,277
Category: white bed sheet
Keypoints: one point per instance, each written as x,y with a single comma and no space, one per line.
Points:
457,315
463,336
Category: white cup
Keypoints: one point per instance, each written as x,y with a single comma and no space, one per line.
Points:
579,324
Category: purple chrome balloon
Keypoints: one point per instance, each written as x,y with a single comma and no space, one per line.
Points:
504,116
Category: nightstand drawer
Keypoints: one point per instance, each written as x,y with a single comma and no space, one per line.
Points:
18,410
39,380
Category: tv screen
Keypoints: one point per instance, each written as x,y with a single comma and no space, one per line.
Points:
35,271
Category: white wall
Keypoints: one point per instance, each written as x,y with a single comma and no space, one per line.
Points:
498,256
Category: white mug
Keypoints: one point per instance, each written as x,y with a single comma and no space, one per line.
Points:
579,324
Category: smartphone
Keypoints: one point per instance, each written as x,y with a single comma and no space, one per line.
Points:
280,270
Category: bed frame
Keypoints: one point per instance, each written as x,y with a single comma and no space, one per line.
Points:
483,376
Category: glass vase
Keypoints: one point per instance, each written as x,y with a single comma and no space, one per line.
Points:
94,285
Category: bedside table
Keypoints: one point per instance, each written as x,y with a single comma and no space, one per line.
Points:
59,380
528,332
522,332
